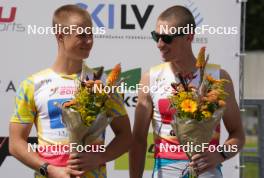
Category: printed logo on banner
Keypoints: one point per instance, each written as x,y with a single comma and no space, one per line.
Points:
198,20
105,15
7,86
194,9
7,20
133,77
139,18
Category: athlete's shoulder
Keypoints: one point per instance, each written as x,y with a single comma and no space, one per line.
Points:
31,78
213,66
159,67
31,81
42,73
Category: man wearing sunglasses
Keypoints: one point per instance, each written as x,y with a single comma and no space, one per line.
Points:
176,52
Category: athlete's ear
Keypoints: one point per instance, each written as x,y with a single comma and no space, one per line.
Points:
190,37
59,36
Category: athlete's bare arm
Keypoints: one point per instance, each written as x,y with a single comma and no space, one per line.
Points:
143,116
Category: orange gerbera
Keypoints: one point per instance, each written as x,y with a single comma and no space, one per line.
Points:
210,78
221,103
189,106
114,75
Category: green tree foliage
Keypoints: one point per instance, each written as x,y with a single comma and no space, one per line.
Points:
255,25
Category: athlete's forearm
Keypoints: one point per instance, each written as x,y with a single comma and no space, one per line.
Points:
119,145
19,149
137,156
235,141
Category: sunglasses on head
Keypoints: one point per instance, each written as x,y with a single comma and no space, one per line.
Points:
165,38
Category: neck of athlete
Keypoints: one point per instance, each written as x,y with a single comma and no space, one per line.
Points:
184,63
66,65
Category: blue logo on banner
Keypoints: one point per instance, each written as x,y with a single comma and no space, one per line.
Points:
97,11
140,18
55,113
196,14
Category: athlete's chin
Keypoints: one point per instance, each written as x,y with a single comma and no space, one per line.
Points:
166,58
84,55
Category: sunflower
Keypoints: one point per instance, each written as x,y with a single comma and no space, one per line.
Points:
183,95
189,106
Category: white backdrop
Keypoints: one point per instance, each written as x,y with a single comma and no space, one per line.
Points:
23,54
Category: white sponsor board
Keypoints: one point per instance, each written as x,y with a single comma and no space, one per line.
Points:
127,40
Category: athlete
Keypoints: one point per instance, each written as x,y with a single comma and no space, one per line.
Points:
35,106
154,106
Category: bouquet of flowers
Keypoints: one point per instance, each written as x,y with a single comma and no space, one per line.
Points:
86,116
198,108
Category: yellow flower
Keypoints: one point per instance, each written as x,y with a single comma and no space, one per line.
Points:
183,95
207,114
189,106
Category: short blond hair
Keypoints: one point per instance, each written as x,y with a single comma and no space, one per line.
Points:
63,14
181,14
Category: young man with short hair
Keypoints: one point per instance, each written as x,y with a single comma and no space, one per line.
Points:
154,106
35,105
